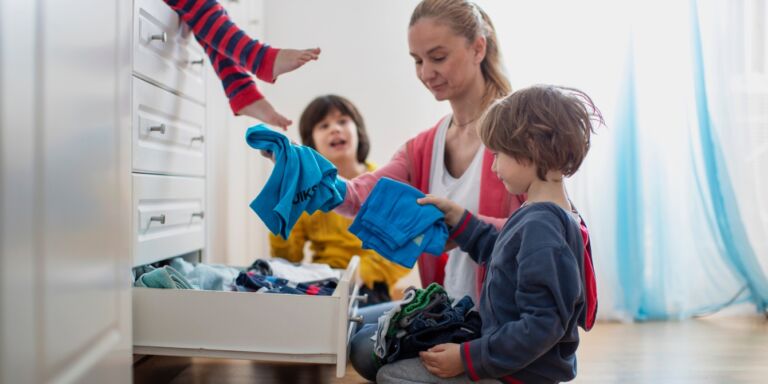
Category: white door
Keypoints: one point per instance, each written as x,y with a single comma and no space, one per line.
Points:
64,192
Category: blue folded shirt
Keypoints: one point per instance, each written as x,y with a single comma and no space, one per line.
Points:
393,224
302,180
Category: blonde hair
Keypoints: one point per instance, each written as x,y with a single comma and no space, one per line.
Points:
546,125
467,19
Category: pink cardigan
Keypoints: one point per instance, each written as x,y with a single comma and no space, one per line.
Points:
411,164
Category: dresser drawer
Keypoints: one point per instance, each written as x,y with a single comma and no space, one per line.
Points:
168,132
168,217
248,325
165,50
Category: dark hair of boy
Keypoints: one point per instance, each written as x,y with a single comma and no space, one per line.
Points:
319,108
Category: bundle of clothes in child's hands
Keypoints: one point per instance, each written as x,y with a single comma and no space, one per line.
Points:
425,318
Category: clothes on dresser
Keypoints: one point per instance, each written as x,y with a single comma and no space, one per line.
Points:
262,267
300,273
302,181
223,41
253,282
140,270
274,276
393,224
208,277
166,278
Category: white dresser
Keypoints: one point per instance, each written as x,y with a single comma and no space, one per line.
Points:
170,107
168,135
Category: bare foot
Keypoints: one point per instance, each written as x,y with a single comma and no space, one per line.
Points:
263,110
290,59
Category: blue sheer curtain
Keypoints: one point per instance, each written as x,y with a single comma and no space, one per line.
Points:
682,245
730,228
675,187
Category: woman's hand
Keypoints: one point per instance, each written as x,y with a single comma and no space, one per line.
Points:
451,210
443,360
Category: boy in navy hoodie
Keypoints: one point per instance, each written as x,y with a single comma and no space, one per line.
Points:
536,290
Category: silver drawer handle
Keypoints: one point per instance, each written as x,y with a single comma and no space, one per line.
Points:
200,61
160,128
362,298
160,219
200,138
356,319
162,37
200,214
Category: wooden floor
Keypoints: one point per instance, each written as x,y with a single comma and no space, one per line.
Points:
717,350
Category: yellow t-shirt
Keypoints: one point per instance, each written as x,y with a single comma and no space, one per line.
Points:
331,243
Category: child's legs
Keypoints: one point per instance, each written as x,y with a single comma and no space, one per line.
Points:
413,371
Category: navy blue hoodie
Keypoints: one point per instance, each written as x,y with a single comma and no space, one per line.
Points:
532,298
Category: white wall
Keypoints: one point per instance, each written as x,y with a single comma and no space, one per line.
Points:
365,56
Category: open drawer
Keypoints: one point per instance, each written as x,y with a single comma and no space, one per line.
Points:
247,325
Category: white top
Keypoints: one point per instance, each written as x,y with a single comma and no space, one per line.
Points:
461,270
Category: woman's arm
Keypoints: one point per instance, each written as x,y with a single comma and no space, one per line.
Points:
360,187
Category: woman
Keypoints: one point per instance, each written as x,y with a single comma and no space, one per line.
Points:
333,126
456,53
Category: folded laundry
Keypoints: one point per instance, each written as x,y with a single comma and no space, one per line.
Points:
165,277
379,338
298,272
253,282
427,317
302,180
447,324
209,277
393,224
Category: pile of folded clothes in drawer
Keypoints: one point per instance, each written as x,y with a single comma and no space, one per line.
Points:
269,276
165,277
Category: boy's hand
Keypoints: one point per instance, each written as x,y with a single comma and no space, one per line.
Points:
443,360
451,210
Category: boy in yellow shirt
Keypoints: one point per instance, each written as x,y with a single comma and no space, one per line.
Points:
333,126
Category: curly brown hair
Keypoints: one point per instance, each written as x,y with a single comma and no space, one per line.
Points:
319,108
549,126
